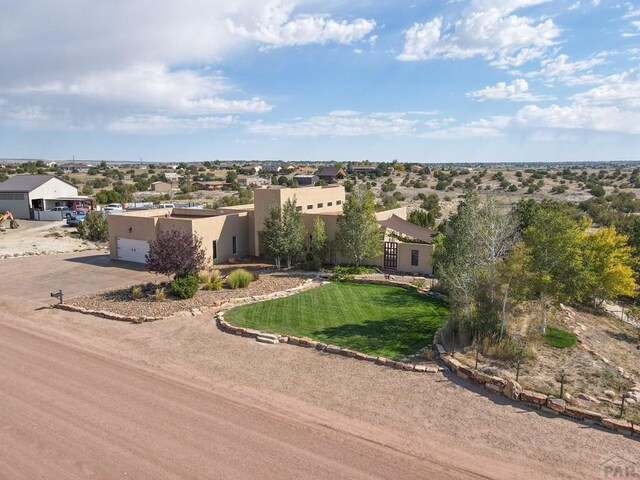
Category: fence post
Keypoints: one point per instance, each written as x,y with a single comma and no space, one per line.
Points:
562,375
622,407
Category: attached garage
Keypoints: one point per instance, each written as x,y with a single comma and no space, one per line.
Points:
131,250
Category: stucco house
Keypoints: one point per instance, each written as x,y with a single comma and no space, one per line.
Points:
29,196
236,231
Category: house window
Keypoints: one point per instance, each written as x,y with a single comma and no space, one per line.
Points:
309,207
234,245
299,208
329,204
319,205
215,249
339,202
415,258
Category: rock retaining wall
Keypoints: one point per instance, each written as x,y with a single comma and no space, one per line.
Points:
539,401
102,314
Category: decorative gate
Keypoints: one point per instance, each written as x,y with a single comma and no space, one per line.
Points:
390,255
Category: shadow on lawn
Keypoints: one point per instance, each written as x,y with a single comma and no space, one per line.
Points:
394,338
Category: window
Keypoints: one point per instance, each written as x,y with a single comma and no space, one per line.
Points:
234,245
329,204
309,207
319,205
299,208
339,202
415,258
215,249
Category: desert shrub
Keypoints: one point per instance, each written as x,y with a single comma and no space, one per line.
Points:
185,286
239,278
214,284
203,276
350,270
177,253
94,228
505,349
160,295
136,292
419,283
558,338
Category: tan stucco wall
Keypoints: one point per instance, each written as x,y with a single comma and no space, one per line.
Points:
143,227
425,261
161,187
222,229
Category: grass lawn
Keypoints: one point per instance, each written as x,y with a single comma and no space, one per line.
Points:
559,338
374,319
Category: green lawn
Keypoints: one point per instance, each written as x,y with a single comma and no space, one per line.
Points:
374,319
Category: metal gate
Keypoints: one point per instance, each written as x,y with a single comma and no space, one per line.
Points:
390,255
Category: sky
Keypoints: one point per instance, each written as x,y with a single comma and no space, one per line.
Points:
296,80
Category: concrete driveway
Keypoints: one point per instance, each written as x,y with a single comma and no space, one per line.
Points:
82,273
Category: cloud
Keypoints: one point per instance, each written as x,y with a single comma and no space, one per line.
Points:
343,123
485,127
516,91
278,29
621,89
488,29
573,73
159,124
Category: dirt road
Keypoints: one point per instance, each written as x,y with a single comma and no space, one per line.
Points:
83,397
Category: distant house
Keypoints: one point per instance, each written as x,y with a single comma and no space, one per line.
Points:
73,166
331,174
254,169
27,195
51,164
364,169
163,187
253,180
272,168
172,177
210,185
305,180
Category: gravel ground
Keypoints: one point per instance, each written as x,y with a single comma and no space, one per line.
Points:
121,302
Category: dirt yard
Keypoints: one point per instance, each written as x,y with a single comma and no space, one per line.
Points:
37,238
214,402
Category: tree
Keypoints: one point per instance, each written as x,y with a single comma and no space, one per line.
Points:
358,237
418,217
557,264
319,242
514,277
294,232
272,236
94,228
609,263
177,253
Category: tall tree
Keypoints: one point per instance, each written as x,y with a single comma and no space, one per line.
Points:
609,265
176,252
273,235
557,262
293,231
319,242
358,236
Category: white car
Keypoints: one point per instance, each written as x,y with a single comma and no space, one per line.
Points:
166,205
113,208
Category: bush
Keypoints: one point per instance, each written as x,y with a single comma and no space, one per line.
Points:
239,278
505,349
419,283
136,292
214,284
558,338
185,286
160,295
94,228
349,270
203,276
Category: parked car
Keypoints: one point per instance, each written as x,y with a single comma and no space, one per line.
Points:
74,220
166,205
66,211
113,208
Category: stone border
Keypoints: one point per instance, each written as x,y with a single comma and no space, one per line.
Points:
103,314
539,401
274,339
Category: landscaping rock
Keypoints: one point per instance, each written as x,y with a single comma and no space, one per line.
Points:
512,390
610,393
556,404
493,388
420,368
535,398
481,378
381,361
618,425
332,349
409,366
587,398
262,339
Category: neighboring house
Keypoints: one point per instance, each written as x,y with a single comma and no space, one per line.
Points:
172,177
272,169
28,195
306,180
254,169
253,181
331,174
236,231
51,164
73,166
210,185
162,187
362,169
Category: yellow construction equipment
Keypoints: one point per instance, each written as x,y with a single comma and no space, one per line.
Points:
8,216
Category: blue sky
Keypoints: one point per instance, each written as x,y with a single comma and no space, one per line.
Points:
432,81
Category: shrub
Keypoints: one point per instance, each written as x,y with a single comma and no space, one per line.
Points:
350,270
214,284
203,276
558,338
419,283
239,278
176,252
505,349
136,292
94,228
185,286
160,295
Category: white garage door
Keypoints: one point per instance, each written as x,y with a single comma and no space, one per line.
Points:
132,250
